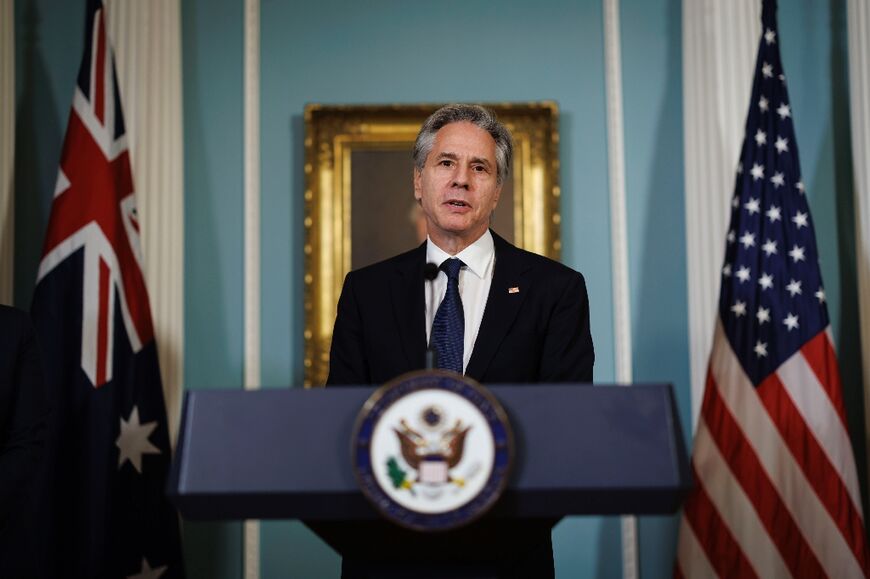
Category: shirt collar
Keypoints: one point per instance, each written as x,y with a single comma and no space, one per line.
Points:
477,257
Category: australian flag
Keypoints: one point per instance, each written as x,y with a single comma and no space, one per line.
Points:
105,510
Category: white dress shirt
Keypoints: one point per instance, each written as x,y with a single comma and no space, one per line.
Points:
475,278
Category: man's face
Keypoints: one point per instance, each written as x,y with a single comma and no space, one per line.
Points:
458,187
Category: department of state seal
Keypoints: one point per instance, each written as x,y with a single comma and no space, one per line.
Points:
432,450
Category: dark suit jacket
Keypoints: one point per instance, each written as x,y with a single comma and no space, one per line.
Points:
24,408
539,333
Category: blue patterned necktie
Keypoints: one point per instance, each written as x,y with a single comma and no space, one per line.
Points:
448,327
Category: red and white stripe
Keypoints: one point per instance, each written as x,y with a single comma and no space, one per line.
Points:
97,111
776,489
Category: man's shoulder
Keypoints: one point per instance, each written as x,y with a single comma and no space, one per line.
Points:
539,265
407,261
13,315
17,332
14,322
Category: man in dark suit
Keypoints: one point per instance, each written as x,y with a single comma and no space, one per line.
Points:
498,314
24,409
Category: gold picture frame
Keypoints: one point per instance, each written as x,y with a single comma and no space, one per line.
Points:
363,154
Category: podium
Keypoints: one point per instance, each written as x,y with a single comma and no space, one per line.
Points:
286,454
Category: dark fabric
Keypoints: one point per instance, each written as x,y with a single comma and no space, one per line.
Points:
488,548
24,411
535,329
448,327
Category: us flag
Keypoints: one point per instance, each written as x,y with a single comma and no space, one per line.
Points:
104,513
776,488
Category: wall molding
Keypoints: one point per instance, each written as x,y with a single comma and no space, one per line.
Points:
859,88
7,148
252,240
619,241
720,40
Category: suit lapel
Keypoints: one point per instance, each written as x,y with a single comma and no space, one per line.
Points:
409,305
502,305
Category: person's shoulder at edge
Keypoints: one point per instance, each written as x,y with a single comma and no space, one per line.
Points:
378,269
543,265
14,321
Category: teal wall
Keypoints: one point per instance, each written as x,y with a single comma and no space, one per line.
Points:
393,51
212,52
48,49
652,100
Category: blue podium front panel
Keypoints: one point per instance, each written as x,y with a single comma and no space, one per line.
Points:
580,449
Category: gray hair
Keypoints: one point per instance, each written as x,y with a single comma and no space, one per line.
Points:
476,115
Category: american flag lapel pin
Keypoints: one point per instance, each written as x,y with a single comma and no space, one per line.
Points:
514,290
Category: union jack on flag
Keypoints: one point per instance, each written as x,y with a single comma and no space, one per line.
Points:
776,490
105,513
94,209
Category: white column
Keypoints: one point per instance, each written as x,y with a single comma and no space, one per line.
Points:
252,240
859,88
619,239
720,40
146,37
7,147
